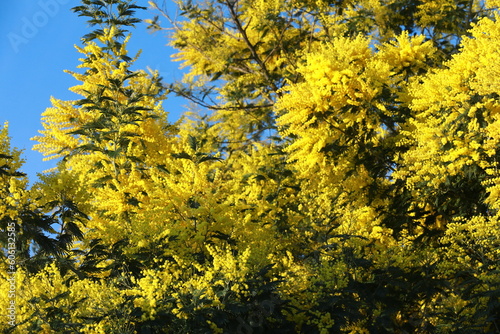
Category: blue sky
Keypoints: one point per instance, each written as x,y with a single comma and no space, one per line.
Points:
37,39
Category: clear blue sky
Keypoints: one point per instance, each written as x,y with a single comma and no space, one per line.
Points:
37,39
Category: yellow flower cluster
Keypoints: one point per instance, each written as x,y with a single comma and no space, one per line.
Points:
456,115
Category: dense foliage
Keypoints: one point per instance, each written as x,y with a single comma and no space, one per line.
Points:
338,173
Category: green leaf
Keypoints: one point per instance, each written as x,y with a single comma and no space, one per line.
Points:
193,142
208,158
182,155
113,153
102,181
